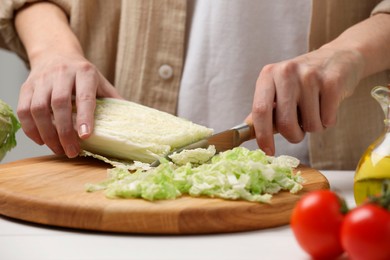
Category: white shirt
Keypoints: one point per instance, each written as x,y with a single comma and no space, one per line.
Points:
228,44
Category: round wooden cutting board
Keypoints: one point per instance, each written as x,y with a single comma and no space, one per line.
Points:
50,190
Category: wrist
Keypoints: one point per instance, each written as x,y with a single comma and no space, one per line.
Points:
51,50
349,53
369,41
57,38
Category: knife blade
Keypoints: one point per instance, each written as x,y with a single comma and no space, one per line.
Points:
222,141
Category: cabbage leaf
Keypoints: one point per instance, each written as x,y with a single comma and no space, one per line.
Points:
9,125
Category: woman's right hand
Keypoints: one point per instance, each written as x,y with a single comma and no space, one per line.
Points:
45,101
60,78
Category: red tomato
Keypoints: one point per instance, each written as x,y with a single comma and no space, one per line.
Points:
365,233
316,223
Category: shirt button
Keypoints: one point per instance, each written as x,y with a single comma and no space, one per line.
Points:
165,71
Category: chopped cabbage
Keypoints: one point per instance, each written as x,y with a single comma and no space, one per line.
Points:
128,131
9,125
196,156
234,174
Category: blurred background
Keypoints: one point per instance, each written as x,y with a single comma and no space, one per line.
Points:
13,73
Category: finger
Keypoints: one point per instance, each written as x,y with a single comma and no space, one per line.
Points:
87,82
61,103
286,112
309,103
41,113
329,105
262,111
106,89
24,113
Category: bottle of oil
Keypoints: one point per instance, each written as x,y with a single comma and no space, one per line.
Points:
374,165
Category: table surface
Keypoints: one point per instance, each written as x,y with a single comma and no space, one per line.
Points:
22,240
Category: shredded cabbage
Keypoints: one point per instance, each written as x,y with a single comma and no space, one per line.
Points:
234,174
196,156
9,125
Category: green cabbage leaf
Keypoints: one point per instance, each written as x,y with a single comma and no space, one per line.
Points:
9,125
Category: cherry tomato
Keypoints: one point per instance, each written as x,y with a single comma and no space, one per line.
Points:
365,233
316,223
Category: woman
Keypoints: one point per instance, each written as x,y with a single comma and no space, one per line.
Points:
162,53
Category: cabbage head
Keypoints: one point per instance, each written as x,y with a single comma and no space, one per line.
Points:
9,125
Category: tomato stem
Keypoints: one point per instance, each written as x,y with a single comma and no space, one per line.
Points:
343,206
386,194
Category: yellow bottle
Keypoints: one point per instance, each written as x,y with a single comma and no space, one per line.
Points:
374,165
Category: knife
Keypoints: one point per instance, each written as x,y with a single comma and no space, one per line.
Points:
222,141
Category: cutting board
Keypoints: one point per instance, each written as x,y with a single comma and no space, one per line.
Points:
50,190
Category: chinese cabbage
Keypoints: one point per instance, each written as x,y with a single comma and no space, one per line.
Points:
9,125
128,131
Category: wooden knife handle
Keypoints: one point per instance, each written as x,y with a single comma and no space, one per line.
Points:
246,132
249,122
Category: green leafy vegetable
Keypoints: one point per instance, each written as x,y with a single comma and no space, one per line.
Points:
9,125
235,174
194,156
131,132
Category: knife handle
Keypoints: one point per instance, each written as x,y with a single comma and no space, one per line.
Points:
246,131
249,122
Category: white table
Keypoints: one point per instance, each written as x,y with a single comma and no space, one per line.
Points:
21,240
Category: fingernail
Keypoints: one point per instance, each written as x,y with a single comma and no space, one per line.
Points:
71,151
267,151
83,130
